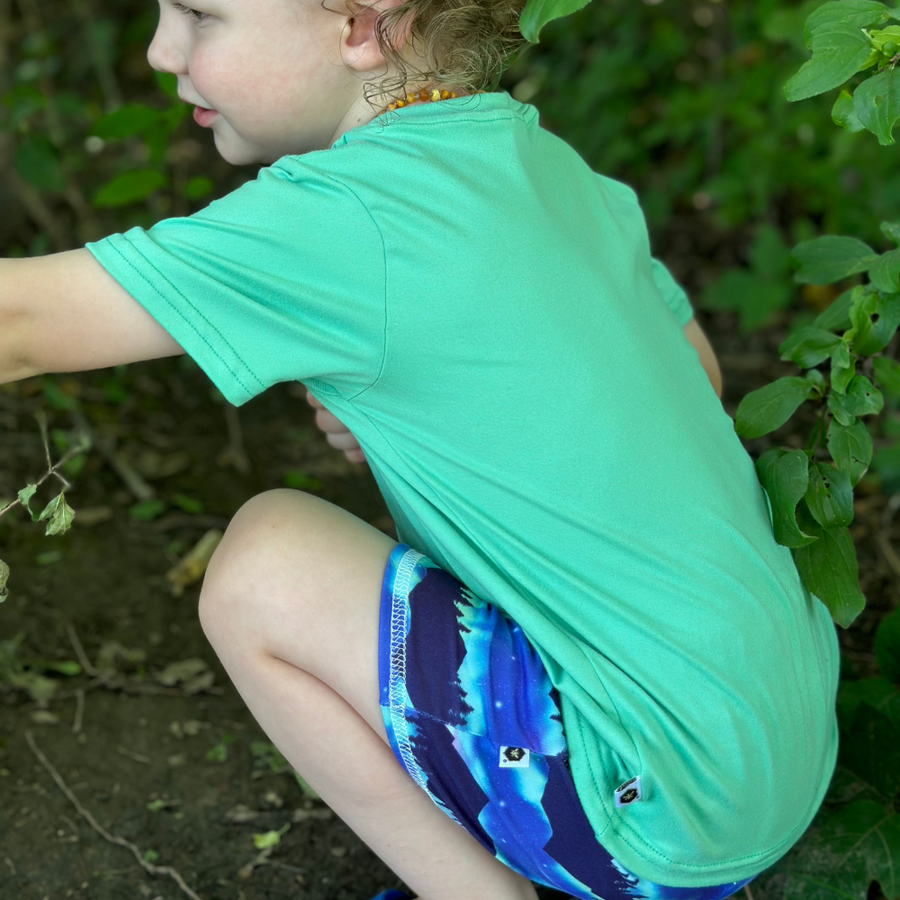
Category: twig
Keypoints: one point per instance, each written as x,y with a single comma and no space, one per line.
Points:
148,867
748,892
234,454
79,710
86,664
137,757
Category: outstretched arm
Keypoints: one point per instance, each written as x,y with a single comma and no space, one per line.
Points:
65,313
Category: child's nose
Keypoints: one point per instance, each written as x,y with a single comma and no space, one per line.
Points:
164,54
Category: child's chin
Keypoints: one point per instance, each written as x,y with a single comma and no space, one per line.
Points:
238,153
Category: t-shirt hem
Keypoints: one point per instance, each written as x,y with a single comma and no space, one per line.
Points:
641,858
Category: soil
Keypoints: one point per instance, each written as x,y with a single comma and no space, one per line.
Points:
167,765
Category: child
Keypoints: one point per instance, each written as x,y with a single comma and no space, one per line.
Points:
603,676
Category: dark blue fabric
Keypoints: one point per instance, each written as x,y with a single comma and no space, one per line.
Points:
473,718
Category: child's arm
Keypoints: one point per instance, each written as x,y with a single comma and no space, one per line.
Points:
698,340
65,313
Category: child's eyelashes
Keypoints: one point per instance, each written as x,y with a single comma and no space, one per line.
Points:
193,13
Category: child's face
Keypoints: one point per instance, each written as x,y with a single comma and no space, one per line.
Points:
272,70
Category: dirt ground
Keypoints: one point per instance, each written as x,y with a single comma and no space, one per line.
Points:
145,767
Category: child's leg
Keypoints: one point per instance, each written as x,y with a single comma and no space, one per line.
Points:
291,605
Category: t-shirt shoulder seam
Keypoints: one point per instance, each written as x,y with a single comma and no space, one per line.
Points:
189,323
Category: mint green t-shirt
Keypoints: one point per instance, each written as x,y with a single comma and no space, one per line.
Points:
481,309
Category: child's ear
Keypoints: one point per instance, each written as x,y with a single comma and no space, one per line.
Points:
359,46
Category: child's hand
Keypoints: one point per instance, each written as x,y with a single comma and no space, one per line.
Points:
337,433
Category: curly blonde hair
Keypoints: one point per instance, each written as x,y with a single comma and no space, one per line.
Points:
466,45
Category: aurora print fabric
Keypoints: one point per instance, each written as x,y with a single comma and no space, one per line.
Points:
473,718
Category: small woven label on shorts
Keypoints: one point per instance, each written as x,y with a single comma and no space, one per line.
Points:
628,793
514,758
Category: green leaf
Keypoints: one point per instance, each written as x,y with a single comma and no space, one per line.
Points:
198,187
769,255
830,571
862,399
829,496
768,408
754,298
301,481
129,187
4,577
826,259
871,750
837,315
38,163
269,838
840,48
809,346
887,374
841,375
892,231
877,104
842,113
784,475
879,693
885,273
132,118
168,83
875,319
60,515
25,496
538,13
305,788
887,646
147,510
844,851
850,447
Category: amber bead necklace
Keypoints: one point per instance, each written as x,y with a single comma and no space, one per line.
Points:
432,96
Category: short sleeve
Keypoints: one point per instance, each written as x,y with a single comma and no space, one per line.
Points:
281,280
674,295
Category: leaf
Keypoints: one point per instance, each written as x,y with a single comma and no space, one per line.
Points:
836,317
843,852
25,496
842,113
887,374
830,571
875,319
129,187
850,447
768,408
4,577
885,273
829,496
887,646
862,399
871,750
809,346
843,369
38,163
132,118
754,298
839,46
538,13
784,475
147,510
60,515
769,255
269,838
877,104
891,230
198,187
877,692
829,258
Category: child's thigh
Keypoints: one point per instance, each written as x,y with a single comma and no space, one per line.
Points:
298,578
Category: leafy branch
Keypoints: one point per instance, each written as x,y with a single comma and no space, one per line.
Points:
58,512
811,490
845,40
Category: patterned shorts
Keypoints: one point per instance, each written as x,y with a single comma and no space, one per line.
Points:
473,718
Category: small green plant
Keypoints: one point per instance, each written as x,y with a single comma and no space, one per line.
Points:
57,512
811,490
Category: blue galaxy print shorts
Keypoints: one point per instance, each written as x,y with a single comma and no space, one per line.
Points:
473,718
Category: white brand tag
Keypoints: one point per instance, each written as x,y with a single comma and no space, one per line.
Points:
628,793
514,758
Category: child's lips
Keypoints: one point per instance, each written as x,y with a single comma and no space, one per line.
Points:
204,116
